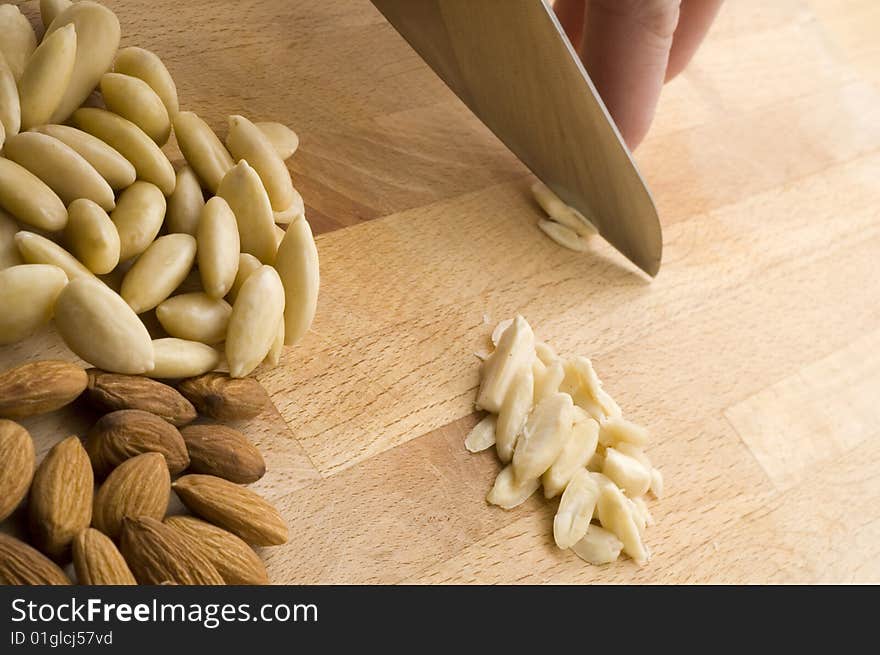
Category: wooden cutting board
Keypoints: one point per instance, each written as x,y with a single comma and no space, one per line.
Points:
754,356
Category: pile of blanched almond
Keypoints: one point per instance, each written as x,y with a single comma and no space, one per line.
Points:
553,425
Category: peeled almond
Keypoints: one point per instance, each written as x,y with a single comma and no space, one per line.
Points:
626,472
297,263
113,167
148,67
277,349
49,9
296,210
543,436
195,317
617,429
138,216
179,358
575,509
37,249
134,99
102,329
284,140
17,38
204,152
67,173
599,546
92,236
515,349
46,76
514,412
546,353
185,205
578,450
242,189
254,321
616,515
10,109
247,264
9,254
219,247
131,142
97,29
158,271
510,491
247,142
27,295
482,436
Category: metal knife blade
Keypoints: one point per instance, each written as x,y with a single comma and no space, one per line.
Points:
510,62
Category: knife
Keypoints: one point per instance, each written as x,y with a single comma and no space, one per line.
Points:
510,62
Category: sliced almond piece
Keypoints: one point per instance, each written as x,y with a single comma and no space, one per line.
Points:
242,189
92,236
28,199
543,436
10,107
617,429
46,76
138,216
254,321
514,412
561,212
247,264
27,295
296,210
616,515
499,330
297,264
575,455
626,472
219,245
585,387
112,166
36,249
17,455
179,358
509,491
284,140
203,151
97,561
575,509
656,483
195,317
131,142
99,326
563,236
277,349
135,100
17,38
148,67
515,349
247,142
158,271
599,546
139,487
482,435
186,204
548,381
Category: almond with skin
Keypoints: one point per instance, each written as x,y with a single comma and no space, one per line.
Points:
224,452
97,561
17,470
157,553
224,398
139,487
39,387
111,391
237,509
21,564
60,503
127,433
236,562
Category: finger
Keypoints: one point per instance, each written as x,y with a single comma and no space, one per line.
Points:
626,51
571,16
695,19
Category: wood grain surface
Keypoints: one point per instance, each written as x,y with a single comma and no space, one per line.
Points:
752,357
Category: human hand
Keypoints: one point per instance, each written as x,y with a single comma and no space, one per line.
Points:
631,47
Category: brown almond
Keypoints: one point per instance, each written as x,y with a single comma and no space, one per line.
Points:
126,433
97,561
224,452
39,387
139,487
60,504
17,469
157,553
236,562
237,509
21,564
111,391
224,398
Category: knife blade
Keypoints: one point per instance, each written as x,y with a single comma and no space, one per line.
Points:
510,62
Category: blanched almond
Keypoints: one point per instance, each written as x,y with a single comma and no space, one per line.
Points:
563,236
543,436
509,491
246,142
92,236
284,140
585,387
36,249
656,483
196,317
158,271
219,245
204,152
185,205
482,435
28,199
131,142
545,353
515,349
599,546
626,472
277,349
68,174
100,327
97,29
17,38
561,212
49,9
9,254
27,296
242,189
247,264
617,429
548,381
112,166
148,67
179,358
297,264
578,450
138,216
46,76
297,209
135,100
575,509
514,411
10,108
616,515
254,321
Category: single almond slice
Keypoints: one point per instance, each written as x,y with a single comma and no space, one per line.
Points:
482,435
514,412
516,348
543,436
599,546
575,509
509,492
578,450
563,236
